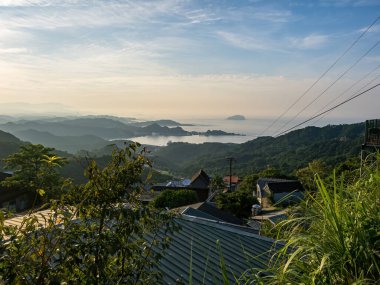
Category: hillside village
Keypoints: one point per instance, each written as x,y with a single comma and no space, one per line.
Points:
222,228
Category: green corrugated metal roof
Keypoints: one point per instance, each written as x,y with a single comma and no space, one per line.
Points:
195,248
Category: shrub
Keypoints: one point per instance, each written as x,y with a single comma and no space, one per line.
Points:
175,198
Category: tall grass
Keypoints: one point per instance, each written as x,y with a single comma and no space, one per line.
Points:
336,240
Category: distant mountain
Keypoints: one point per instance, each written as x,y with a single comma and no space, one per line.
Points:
8,144
100,127
70,144
7,137
236,118
332,144
162,123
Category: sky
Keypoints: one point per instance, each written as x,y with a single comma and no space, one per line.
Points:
184,59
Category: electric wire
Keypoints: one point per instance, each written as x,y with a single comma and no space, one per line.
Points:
331,85
369,83
320,77
329,110
348,89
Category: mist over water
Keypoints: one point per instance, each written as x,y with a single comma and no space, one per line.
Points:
249,129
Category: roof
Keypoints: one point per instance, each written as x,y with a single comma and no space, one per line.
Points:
200,180
262,181
273,216
207,209
4,174
201,246
234,179
279,185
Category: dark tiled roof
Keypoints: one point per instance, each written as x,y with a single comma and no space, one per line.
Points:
279,185
197,213
201,245
200,180
262,181
208,208
288,186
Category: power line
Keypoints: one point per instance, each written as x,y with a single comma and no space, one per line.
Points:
332,84
320,77
349,88
329,110
369,83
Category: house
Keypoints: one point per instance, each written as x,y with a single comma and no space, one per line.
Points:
273,190
231,183
208,248
199,183
200,180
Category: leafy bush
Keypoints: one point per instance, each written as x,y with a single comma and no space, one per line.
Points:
238,203
175,198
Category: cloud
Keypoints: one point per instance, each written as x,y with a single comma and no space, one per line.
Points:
312,41
241,41
373,29
276,16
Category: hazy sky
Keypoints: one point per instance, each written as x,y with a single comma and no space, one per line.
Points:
180,58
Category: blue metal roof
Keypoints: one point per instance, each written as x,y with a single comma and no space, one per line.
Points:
201,245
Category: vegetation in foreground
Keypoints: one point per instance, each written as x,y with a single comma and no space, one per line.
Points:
334,237
97,233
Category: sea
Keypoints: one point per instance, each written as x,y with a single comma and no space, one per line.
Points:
247,129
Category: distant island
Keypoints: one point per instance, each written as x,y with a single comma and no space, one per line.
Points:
236,118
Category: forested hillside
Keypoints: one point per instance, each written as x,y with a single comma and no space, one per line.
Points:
331,144
8,144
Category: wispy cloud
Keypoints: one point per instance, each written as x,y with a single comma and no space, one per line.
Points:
276,16
373,29
312,41
242,41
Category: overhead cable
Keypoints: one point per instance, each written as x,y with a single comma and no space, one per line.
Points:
320,77
329,110
332,84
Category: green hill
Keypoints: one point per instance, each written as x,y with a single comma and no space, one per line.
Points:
71,144
332,144
8,144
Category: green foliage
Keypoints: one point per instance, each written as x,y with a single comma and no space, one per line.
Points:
217,183
287,153
336,240
238,203
175,198
307,174
249,183
35,169
105,237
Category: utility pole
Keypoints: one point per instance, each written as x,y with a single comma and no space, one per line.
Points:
230,159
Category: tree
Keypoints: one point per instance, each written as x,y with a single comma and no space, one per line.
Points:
175,198
249,183
217,183
35,169
99,233
238,203
307,174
